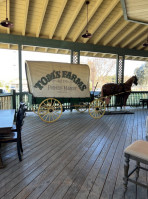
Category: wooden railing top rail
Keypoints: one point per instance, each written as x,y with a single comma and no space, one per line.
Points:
17,93
5,94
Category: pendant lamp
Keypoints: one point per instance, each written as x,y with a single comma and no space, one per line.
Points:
87,34
6,23
146,43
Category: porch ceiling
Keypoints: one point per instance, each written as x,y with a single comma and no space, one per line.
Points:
66,20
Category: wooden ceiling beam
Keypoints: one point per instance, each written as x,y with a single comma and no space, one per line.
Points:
63,4
8,14
107,29
125,34
26,7
103,17
143,29
9,46
139,42
141,47
94,54
56,51
111,55
112,35
72,19
103,55
140,58
134,58
85,54
44,8
126,57
34,48
66,52
46,50
97,54
90,14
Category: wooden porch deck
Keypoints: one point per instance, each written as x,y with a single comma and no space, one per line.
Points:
76,157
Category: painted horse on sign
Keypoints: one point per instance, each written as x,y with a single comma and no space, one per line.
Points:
122,90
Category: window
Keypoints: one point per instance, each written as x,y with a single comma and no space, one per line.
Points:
9,76
102,70
140,69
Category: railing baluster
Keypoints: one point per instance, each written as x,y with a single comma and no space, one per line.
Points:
6,100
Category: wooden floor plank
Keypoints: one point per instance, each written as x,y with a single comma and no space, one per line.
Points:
40,136
142,192
77,157
36,151
109,184
16,189
83,154
76,145
76,171
119,188
42,153
103,172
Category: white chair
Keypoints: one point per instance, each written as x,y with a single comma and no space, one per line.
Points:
137,151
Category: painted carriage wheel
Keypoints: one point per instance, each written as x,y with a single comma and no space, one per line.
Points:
50,110
97,108
36,110
81,107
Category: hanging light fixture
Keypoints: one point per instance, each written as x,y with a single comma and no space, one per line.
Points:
146,43
87,34
6,23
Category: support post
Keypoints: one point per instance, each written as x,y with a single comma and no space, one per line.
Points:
119,77
75,57
20,70
13,99
120,69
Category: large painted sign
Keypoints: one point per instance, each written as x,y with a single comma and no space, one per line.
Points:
58,80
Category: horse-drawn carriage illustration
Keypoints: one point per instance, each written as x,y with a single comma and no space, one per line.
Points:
56,87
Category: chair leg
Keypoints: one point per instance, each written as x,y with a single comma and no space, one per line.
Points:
19,151
21,145
126,168
1,162
137,170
